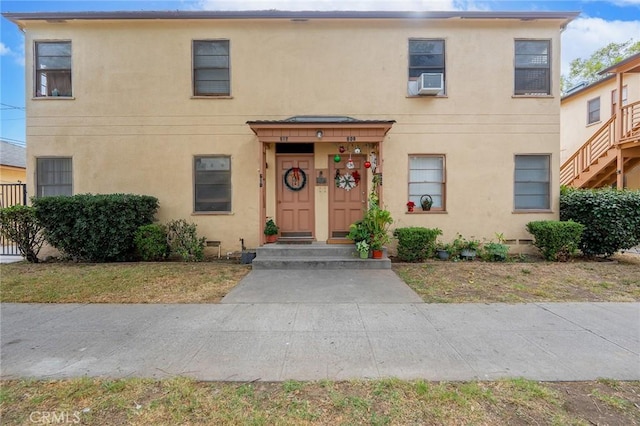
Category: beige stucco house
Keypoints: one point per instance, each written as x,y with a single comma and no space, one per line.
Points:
233,117
600,130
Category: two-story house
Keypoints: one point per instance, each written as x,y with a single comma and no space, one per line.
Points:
233,117
600,130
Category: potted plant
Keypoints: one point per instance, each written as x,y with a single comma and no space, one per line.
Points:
467,249
426,202
443,251
271,231
410,206
363,249
377,221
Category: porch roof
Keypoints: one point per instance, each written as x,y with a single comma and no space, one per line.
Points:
319,119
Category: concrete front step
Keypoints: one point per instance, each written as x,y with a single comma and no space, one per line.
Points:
315,256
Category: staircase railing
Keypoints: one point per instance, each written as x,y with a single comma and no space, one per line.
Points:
630,121
588,153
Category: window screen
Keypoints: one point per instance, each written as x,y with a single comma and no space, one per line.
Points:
54,176
211,68
212,183
427,177
532,182
532,67
53,68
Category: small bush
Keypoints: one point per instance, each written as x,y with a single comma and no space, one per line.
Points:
494,252
95,228
151,242
611,218
556,240
183,240
415,244
19,224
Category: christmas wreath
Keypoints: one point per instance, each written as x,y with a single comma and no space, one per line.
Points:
295,178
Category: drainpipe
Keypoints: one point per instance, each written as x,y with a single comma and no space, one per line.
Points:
618,134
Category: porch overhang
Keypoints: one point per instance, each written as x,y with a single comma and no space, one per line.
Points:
321,129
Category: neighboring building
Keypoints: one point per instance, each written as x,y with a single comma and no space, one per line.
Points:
13,163
595,144
232,117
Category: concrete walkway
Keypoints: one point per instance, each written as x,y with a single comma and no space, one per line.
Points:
323,325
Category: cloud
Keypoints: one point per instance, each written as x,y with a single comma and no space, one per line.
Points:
586,35
4,50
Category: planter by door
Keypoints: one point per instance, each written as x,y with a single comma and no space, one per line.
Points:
272,238
376,254
364,255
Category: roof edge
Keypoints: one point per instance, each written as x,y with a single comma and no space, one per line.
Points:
16,17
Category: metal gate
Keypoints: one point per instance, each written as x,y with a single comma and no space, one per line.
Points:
11,194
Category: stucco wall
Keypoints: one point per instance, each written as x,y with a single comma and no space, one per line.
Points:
133,125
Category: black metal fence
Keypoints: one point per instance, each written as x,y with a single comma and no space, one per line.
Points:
11,194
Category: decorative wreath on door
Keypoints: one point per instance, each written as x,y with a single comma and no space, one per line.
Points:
295,178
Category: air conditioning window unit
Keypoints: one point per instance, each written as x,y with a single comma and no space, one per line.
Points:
430,83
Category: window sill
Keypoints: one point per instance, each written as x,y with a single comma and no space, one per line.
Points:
427,96
213,97
427,212
212,214
595,123
532,211
53,98
532,96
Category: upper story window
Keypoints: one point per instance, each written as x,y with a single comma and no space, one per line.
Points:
614,99
593,110
211,68
54,176
532,67
426,56
212,183
427,177
53,68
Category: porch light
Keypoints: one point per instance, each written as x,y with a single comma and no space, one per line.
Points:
319,134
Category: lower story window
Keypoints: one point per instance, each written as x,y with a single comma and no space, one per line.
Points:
54,176
427,178
212,177
532,182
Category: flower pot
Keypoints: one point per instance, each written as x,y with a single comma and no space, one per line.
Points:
364,254
410,209
376,254
272,238
468,254
443,255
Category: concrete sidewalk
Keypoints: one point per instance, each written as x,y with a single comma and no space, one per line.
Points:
347,337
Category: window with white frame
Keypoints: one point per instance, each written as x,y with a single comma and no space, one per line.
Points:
593,110
427,56
427,177
211,68
212,183
54,176
532,67
532,182
53,68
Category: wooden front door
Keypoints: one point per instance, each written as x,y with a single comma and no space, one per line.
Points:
295,196
346,204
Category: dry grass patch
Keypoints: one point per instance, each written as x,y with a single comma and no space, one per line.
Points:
516,282
167,282
377,402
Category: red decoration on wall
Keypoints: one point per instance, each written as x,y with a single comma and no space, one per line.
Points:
367,164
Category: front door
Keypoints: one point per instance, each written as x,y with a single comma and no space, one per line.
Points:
347,196
295,195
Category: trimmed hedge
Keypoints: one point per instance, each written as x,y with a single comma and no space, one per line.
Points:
611,218
556,240
151,242
416,244
19,224
95,228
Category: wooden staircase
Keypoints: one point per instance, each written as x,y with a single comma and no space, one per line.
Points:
595,164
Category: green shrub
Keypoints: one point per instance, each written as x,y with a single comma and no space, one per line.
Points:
183,240
151,242
556,240
494,252
95,228
415,244
611,218
19,224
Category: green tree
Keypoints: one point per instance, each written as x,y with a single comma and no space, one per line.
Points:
581,69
